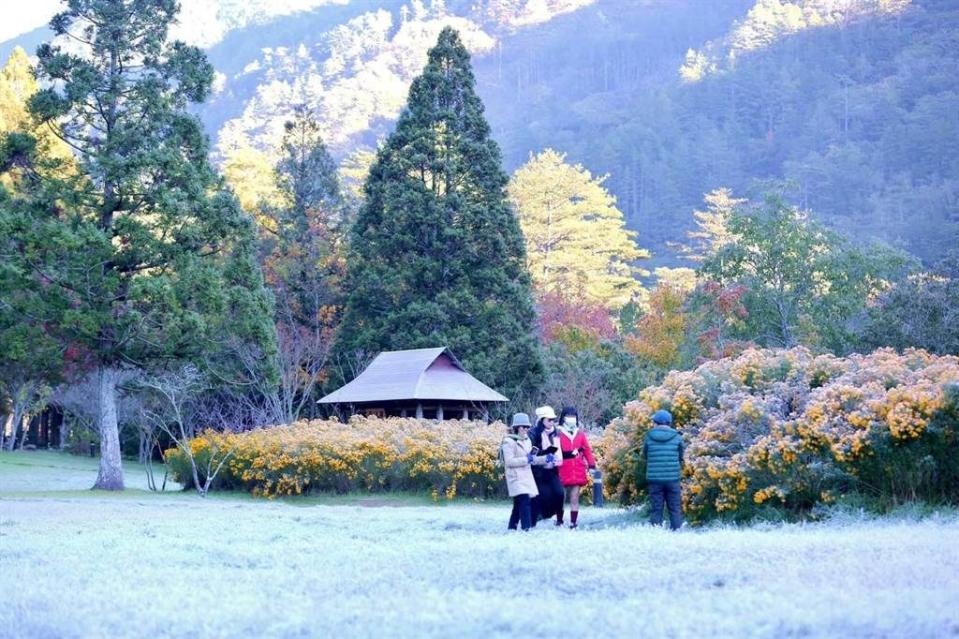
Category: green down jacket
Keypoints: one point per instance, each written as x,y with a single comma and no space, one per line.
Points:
663,450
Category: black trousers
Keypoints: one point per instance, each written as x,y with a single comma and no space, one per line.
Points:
672,494
521,512
551,496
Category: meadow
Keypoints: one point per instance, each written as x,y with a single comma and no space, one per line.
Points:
81,563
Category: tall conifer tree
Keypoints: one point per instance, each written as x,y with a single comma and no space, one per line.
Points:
144,256
437,256
304,262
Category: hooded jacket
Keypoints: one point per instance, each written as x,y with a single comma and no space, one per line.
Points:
663,450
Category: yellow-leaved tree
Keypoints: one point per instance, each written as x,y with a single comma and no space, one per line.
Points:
250,173
17,85
576,237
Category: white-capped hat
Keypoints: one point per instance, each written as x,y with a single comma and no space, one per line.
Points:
545,411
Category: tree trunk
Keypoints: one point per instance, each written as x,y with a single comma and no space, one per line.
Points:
110,476
64,432
25,431
16,424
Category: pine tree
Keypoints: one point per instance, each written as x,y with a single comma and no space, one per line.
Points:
145,256
303,265
303,262
576,238
712,232
436,254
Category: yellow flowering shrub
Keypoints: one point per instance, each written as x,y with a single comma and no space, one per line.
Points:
367,454
787,429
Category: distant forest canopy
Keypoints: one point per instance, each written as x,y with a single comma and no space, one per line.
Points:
860,118
851,107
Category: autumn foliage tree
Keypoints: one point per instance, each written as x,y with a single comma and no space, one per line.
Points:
661,332
557,314
576,237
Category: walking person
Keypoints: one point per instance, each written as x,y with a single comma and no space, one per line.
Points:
545,438
516,450
663,450
577,459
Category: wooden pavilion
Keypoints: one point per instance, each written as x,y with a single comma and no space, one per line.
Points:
426,383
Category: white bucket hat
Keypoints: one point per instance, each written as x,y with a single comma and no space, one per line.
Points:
545,412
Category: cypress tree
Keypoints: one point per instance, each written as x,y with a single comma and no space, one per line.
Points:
143,256
436,254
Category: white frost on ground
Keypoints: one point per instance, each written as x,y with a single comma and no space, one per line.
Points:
179,566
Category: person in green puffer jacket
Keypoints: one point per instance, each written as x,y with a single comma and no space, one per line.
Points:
663,450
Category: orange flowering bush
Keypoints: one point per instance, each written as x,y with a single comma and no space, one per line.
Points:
787,429
368,454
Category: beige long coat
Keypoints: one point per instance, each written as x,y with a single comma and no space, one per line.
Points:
519,477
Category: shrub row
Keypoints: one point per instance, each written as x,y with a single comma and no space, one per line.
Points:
371,454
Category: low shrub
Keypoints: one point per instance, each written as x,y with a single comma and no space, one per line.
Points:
791,430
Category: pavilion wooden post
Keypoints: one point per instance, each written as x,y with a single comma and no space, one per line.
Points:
439,412
419,410
466,414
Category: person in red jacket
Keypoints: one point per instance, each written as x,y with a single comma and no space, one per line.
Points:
577,459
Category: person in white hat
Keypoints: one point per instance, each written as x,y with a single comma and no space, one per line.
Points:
545,438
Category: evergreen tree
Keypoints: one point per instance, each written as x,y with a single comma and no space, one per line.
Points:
436,254
32,358
712,225
145,256
304,263
576,238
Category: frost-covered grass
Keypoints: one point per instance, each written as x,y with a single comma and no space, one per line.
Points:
44,471
176,565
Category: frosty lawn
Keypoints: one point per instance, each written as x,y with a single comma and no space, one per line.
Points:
138,564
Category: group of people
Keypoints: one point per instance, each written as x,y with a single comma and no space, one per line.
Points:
548,463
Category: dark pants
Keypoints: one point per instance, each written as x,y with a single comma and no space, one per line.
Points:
670,491
521,512
551,496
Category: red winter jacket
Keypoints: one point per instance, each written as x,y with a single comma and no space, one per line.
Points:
577,457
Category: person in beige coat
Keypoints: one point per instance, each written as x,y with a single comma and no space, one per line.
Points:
517,454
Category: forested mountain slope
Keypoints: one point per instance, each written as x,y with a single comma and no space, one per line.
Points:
853,103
